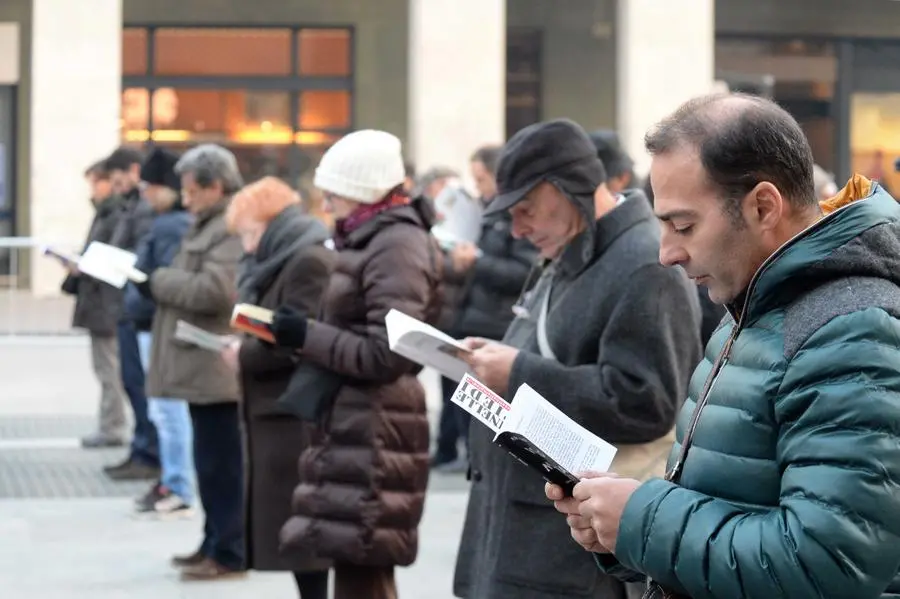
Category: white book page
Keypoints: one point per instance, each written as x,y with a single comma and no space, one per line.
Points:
185,331
569,444
483,404
425,345
110,264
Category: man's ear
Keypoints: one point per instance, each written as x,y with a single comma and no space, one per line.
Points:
764,206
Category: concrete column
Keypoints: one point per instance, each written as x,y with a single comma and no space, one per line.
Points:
457,82
665,55
76,77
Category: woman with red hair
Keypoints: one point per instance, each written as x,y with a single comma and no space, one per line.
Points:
285,263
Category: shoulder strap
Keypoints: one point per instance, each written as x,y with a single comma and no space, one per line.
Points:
543,342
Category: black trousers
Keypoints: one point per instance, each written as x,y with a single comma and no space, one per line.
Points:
219,460
452,426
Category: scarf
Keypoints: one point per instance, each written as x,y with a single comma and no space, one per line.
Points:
287,233
344,227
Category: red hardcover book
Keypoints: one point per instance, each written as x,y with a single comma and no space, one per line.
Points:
253,320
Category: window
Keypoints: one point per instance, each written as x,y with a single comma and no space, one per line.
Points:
875,137
324,52
523,79
134,52
222,52
236,87
798,74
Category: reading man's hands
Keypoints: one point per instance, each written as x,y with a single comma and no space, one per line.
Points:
463,256
230,354
491,362
595,508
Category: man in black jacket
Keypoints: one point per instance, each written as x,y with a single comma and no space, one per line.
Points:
97,308
493,274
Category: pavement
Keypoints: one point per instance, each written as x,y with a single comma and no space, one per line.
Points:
66,532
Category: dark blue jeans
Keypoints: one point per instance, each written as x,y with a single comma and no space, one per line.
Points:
144,443
219,460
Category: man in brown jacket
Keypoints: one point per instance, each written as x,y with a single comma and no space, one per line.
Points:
199,287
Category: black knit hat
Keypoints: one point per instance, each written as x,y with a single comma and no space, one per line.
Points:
159,168
559,150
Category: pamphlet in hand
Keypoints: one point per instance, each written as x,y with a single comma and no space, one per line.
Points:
425,345
110,264
253,320
536,432
185,331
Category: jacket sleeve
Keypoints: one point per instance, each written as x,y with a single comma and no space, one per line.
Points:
397,275
506,274
646,355
166,245
306,283
210,290
834,532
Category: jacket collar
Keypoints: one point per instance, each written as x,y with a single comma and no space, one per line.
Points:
216,209
634,210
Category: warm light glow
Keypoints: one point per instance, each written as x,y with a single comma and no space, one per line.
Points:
266,126
312,138
172,135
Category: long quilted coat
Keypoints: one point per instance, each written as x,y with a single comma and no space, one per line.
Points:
791,487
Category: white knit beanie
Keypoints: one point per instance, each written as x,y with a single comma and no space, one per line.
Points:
362,166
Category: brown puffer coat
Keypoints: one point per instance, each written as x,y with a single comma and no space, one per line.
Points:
362,487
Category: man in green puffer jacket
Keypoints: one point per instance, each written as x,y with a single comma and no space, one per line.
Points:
785,481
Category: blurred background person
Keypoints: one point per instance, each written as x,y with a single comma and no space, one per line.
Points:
97,308
173,493
199,288
364,480
142,462
285,263
824,183
491,275
619,165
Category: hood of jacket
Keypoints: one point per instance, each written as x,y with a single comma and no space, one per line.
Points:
857,236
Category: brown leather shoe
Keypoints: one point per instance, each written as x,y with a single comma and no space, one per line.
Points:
183,561
209,569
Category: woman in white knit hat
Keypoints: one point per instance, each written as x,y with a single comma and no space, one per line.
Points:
363,482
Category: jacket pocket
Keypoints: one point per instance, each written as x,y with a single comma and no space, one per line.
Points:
538,553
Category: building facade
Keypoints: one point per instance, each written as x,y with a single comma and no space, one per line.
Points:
277,82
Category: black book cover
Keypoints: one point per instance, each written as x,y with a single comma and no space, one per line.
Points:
529,454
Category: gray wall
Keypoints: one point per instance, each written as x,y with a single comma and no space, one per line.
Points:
19,11
381,38
579,68
826,18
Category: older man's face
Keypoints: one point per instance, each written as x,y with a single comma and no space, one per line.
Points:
548,219
196,198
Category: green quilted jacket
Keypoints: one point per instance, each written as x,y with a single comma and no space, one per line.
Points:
791,487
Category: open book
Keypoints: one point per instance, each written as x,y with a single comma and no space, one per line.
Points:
103,262
536,432
185,331
254,320
425,345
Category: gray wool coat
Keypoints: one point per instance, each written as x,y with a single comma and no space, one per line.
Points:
625,332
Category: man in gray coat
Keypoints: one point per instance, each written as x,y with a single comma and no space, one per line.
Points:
607,334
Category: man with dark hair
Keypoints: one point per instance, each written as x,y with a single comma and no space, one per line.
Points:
484,170
97,307
784,479
487,278
619,165
142,462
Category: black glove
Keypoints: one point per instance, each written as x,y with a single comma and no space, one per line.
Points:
289,327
